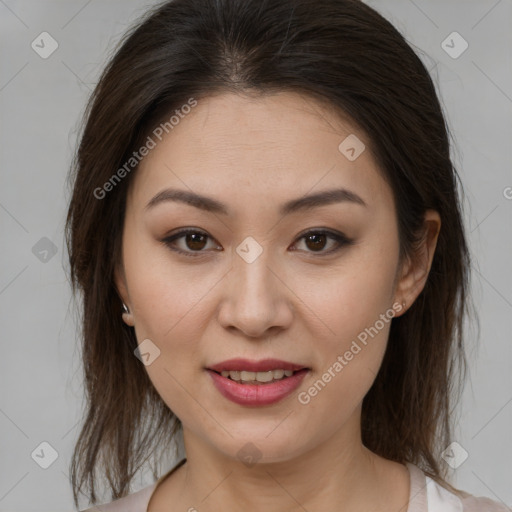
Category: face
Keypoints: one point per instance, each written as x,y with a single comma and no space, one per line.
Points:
305,285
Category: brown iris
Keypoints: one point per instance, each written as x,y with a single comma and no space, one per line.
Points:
317,241
195,241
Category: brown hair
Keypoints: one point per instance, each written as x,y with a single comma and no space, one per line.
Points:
340,52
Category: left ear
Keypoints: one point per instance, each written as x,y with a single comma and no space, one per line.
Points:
416,267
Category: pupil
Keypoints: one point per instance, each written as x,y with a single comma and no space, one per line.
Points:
195,237
316,245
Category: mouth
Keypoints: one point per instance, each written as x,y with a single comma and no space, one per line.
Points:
257,393
257,383
258,378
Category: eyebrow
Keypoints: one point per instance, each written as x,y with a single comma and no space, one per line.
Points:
209,204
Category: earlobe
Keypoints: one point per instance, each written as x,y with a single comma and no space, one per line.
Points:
127,316
120,284
416,267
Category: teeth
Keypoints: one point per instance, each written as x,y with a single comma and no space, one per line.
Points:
269,376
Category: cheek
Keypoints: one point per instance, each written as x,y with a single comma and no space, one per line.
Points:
357,316
165,295
168,307
355,294
353,310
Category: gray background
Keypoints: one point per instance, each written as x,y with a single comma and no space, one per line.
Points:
41,101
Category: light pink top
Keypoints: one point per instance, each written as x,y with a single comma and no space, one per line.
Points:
425,495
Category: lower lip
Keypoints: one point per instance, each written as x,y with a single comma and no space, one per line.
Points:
257,394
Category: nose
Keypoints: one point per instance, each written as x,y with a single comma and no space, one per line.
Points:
255,297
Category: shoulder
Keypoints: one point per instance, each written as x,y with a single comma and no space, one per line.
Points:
135,502
426,495
441,499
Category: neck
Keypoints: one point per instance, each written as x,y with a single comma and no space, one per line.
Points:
340,470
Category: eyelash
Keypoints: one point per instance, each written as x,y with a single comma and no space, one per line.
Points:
341,239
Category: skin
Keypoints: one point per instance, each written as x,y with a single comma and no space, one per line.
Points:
294,302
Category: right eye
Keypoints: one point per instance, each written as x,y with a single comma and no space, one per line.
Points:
193,239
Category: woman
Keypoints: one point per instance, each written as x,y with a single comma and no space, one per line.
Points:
266,230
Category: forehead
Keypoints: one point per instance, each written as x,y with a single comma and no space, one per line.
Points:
273,146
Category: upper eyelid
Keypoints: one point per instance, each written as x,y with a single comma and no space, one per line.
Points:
186,231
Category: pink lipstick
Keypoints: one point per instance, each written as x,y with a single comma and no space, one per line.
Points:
256,383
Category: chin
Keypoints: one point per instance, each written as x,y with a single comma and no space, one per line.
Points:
266,444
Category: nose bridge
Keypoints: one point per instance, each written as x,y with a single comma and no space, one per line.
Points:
255,300
252,274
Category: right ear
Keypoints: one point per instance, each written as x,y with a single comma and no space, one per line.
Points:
122,290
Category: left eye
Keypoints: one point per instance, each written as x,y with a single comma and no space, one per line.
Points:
317,240
195,241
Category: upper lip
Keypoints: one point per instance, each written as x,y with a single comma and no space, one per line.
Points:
264,365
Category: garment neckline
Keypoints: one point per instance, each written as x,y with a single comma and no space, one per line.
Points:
161,479
417,487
